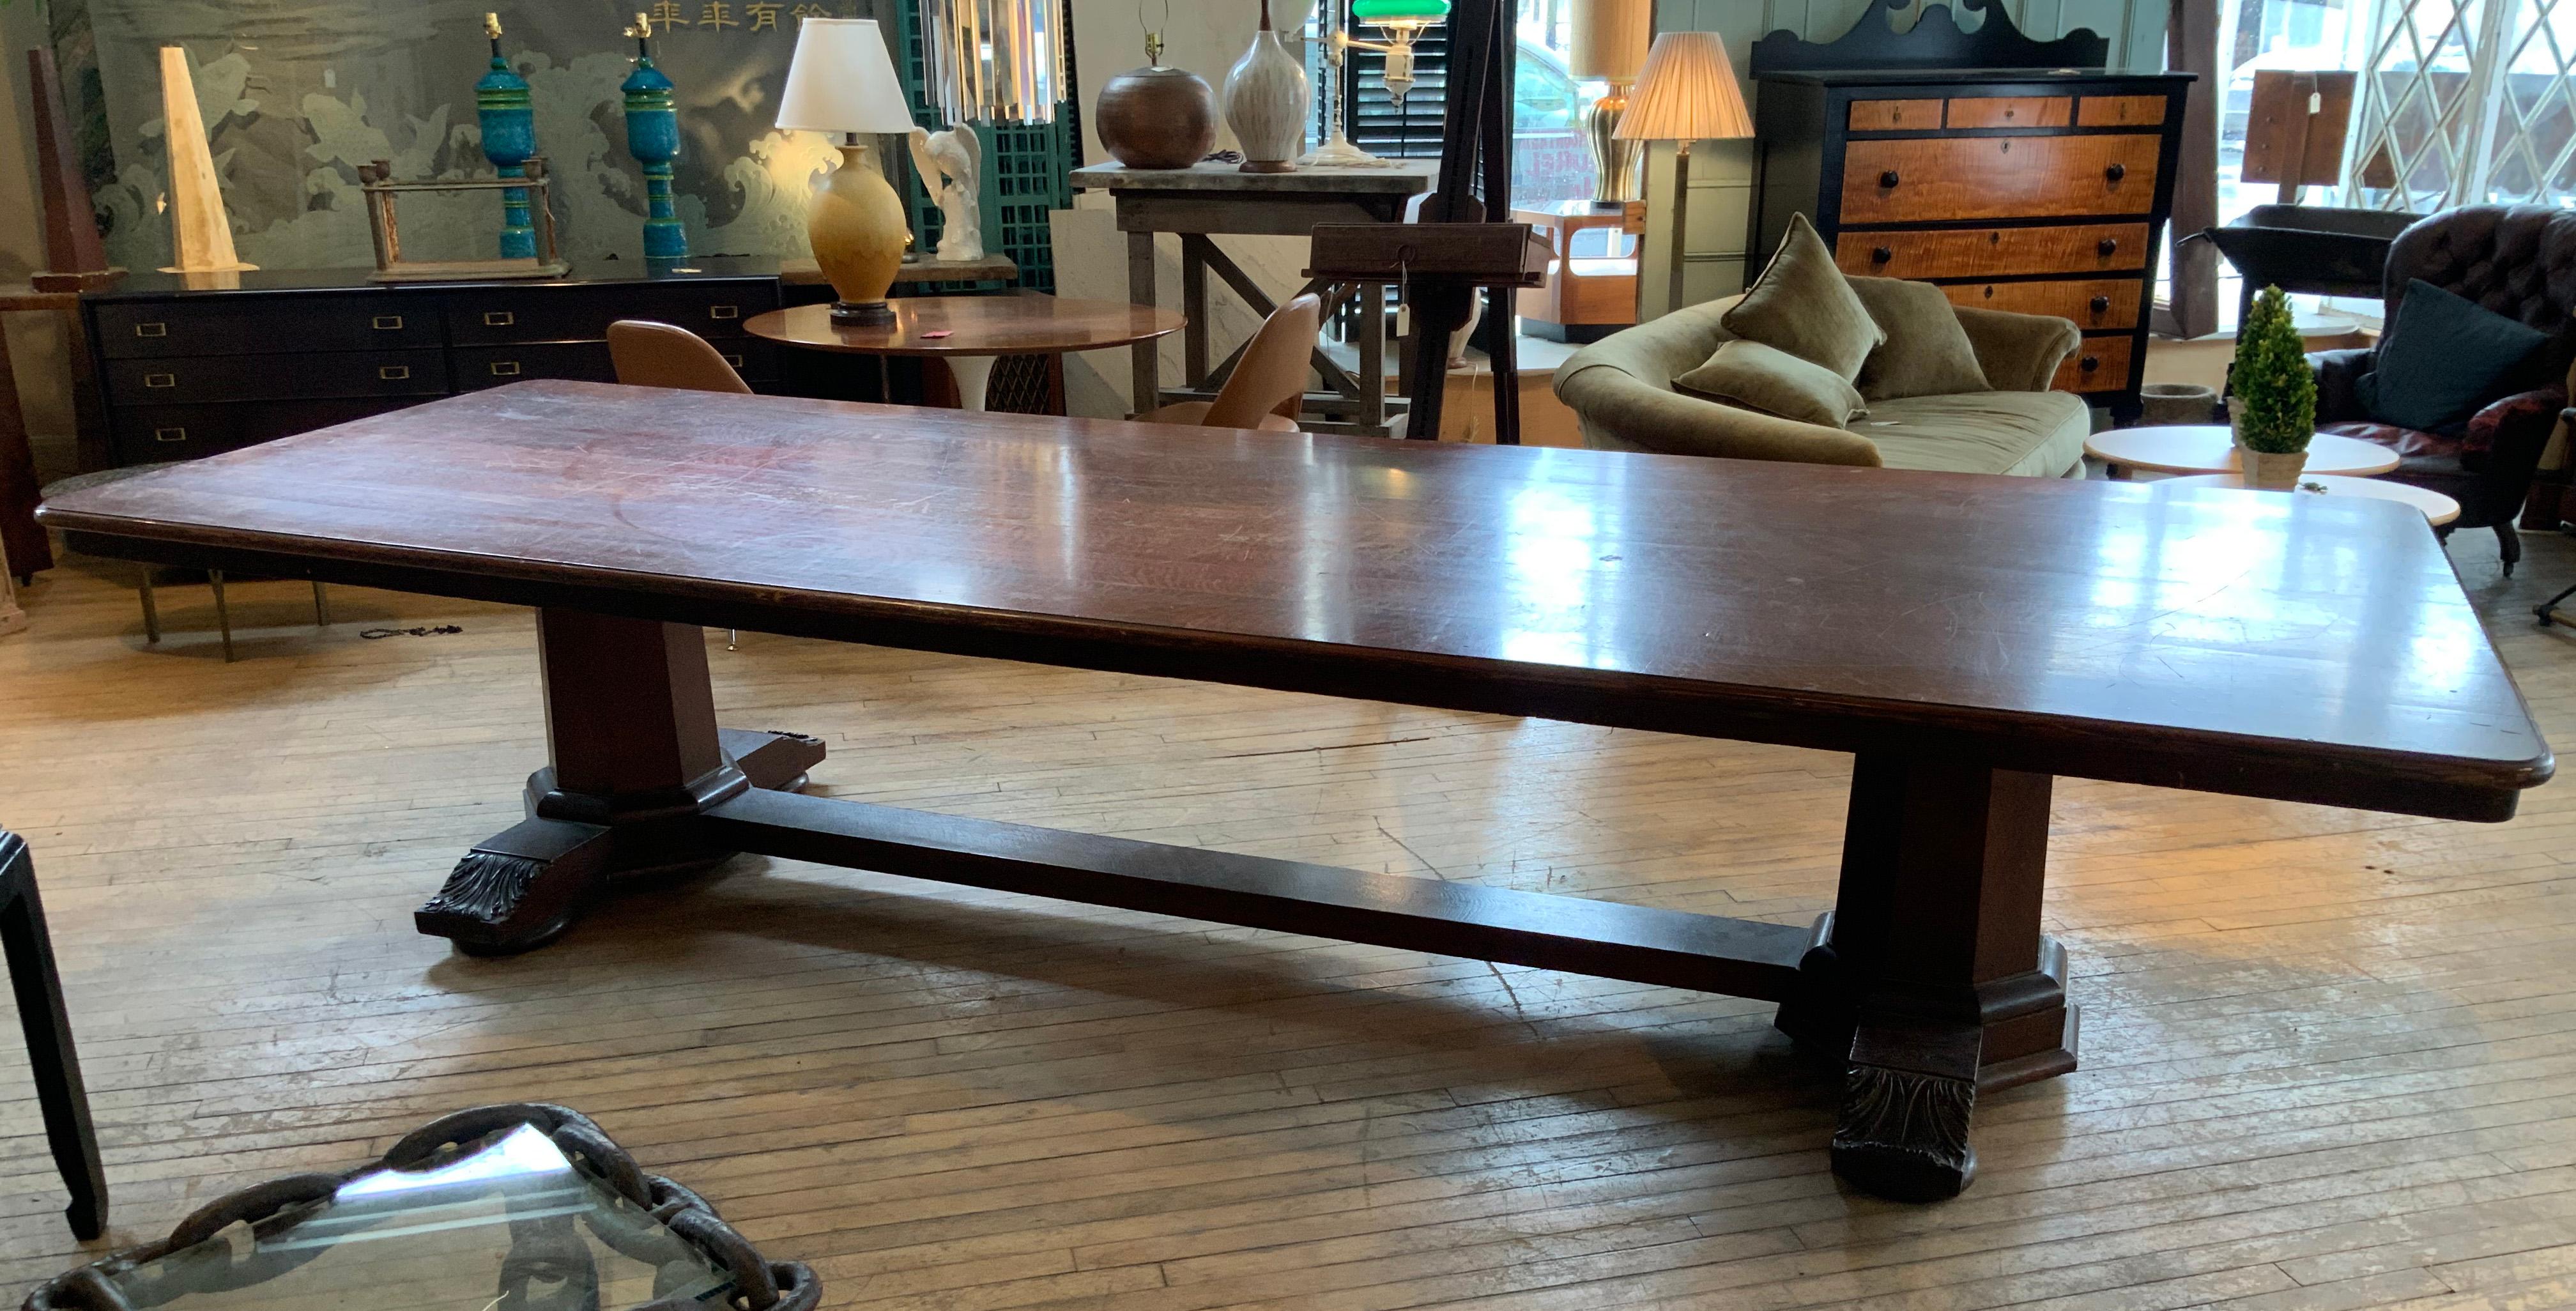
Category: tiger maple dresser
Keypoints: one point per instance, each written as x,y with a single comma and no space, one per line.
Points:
2043,189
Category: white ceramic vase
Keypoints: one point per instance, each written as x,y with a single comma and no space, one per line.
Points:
1267,100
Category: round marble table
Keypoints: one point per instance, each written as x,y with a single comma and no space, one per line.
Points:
968,332
2437,508
2208,448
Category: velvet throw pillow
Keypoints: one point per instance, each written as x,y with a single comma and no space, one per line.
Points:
2445,358
1927,352
1758,377
1802,304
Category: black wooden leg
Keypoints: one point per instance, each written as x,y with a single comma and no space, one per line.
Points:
1931,980
2510,543
636,759
51,1056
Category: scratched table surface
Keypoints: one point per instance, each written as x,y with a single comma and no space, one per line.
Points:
2307,648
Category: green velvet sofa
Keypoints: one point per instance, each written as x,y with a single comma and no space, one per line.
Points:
1621,387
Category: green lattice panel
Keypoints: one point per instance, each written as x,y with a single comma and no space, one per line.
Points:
1024,175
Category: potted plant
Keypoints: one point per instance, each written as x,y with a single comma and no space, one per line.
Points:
2276,393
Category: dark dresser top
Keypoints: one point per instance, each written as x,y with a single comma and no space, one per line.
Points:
1948,76
161,286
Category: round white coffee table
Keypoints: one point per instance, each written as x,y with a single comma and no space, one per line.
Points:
2208,448
2437,508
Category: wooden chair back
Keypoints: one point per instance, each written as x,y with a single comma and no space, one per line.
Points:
651,354
1271,376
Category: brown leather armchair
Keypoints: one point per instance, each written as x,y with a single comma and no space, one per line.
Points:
2517,260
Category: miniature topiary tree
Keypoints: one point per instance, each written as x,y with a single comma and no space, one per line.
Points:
2273,379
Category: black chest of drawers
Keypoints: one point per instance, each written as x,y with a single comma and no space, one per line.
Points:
194,365
2042,191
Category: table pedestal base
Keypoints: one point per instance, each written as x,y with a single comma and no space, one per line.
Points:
1930,981
974,375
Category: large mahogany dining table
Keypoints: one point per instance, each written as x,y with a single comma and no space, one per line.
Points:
1966,639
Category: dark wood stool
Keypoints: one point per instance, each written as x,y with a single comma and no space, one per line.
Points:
50,1055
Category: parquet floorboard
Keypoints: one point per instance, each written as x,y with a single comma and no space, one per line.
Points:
2330,1056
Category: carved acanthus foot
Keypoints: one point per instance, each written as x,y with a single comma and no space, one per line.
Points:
1907,1095
776,761
1904,1135
518,891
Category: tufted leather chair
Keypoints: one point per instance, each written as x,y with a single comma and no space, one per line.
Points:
2517,260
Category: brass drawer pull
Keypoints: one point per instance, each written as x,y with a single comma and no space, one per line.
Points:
499,318
724,311
152,330
169,434
2008,113
387,323
160,380
505,368
394,372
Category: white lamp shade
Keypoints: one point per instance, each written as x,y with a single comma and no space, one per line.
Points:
1687,93
1610,38
843,80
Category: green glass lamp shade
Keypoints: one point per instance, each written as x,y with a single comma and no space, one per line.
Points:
1409,12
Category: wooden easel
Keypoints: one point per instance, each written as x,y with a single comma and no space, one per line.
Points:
2295,131
1444,262
1478,115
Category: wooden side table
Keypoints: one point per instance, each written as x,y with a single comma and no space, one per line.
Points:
2436,508
1587,297
2207,448
968,332
1204,201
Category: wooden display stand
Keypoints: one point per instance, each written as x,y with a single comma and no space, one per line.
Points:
2295,131
1585,298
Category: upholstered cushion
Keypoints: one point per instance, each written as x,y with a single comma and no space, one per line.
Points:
2443,358
1760,377
2032,433
2517,260
1804,305
1926,352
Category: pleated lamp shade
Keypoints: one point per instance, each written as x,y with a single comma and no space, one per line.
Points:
1610,38
1687,93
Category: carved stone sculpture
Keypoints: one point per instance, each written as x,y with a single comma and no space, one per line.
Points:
952,170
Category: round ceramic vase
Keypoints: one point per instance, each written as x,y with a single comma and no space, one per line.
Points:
1267,102
1157,118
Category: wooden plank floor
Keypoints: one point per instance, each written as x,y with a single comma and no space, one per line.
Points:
2329,1056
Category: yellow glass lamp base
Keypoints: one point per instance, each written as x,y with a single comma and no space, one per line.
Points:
857,227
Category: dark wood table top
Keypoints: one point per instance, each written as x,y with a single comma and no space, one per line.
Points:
1026,324
2312,649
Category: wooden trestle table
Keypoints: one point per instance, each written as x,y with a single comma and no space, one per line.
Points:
1966,638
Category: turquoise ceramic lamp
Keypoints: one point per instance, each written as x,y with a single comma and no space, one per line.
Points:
508,120
653,138
1403,21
